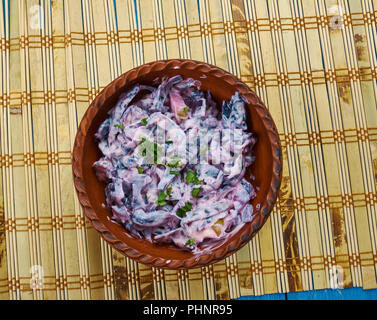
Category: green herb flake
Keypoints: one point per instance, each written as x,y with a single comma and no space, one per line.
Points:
174,164
186,109
156,152
168,191
181,213
119,126
197,181
190,242
139,169
161,195
174,172
148,148
169,141
144,121
188,206
190,176
161,200
195,192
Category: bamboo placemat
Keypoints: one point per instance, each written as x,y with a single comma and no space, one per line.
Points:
313,62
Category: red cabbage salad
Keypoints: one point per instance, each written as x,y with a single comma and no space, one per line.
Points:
174,165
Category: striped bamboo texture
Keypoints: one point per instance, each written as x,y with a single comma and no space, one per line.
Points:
314,64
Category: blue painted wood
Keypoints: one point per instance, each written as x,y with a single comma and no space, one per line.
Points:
331,294
276,296
326,294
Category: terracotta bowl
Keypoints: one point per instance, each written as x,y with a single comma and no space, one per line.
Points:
266,168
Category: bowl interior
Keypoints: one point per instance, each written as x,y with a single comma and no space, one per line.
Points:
220,90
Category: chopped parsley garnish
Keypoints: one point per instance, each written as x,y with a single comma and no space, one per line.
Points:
119,126
139,169
195,192
188,206
174,172
186,109
182,211
161,200
190,242
174,164
192,177
156,152
149,149
169,141
168,191
144,121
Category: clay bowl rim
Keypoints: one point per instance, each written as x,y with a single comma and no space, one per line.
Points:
225,249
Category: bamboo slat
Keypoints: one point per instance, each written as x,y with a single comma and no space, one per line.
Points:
312,62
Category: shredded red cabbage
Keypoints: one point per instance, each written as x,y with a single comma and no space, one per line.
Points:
174,165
